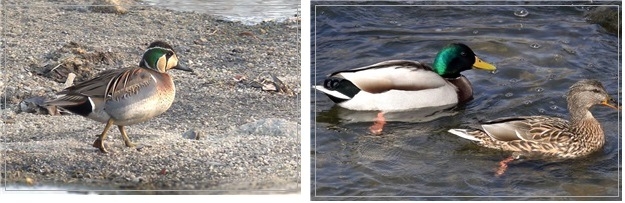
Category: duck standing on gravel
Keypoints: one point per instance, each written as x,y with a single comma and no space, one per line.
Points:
125,96
403,85
547,137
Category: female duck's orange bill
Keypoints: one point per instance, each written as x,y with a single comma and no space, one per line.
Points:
610,104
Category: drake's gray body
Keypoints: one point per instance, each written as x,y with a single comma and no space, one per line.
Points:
404,85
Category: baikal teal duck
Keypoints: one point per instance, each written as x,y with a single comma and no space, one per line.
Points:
125,96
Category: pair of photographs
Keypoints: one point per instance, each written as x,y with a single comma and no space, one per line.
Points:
406,101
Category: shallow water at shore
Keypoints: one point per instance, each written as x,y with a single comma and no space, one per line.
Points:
246,11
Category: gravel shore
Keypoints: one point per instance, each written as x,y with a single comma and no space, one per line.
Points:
221,135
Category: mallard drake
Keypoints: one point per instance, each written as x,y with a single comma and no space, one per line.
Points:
547,137
125,96
403,85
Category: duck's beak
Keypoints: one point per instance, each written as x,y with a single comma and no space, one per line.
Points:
611,103
180,66
483,65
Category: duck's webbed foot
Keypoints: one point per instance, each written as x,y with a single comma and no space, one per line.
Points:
378,124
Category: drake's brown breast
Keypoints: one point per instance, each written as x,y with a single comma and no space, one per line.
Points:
464,88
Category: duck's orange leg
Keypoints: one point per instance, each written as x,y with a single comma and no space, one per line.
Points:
378,124
503,165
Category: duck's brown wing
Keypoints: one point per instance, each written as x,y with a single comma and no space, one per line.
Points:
530,128
111,83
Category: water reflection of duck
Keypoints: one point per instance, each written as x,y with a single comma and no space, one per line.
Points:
547,137
403,85
338,115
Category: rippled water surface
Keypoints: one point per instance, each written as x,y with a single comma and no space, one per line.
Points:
539,53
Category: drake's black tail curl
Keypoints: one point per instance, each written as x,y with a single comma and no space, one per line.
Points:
342,86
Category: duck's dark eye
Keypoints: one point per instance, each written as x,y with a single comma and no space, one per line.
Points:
169,54
463,53
595,91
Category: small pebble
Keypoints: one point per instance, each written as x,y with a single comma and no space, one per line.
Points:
192,134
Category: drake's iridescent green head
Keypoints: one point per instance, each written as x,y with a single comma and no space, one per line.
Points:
161,57
455,58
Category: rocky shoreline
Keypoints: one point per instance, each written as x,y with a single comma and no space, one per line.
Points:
233,128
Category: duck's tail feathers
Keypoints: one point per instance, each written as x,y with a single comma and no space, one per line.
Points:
76,104
332,93
66,100
464,133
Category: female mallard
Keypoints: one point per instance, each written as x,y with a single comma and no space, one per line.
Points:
401,85
547,137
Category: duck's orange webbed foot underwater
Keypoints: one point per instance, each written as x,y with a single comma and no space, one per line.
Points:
378,124
503,165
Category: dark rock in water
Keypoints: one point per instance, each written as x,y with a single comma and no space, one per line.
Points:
607,17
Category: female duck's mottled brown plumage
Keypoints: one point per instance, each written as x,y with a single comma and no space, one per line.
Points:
548,137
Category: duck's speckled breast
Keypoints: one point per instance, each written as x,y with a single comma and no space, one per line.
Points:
149,101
